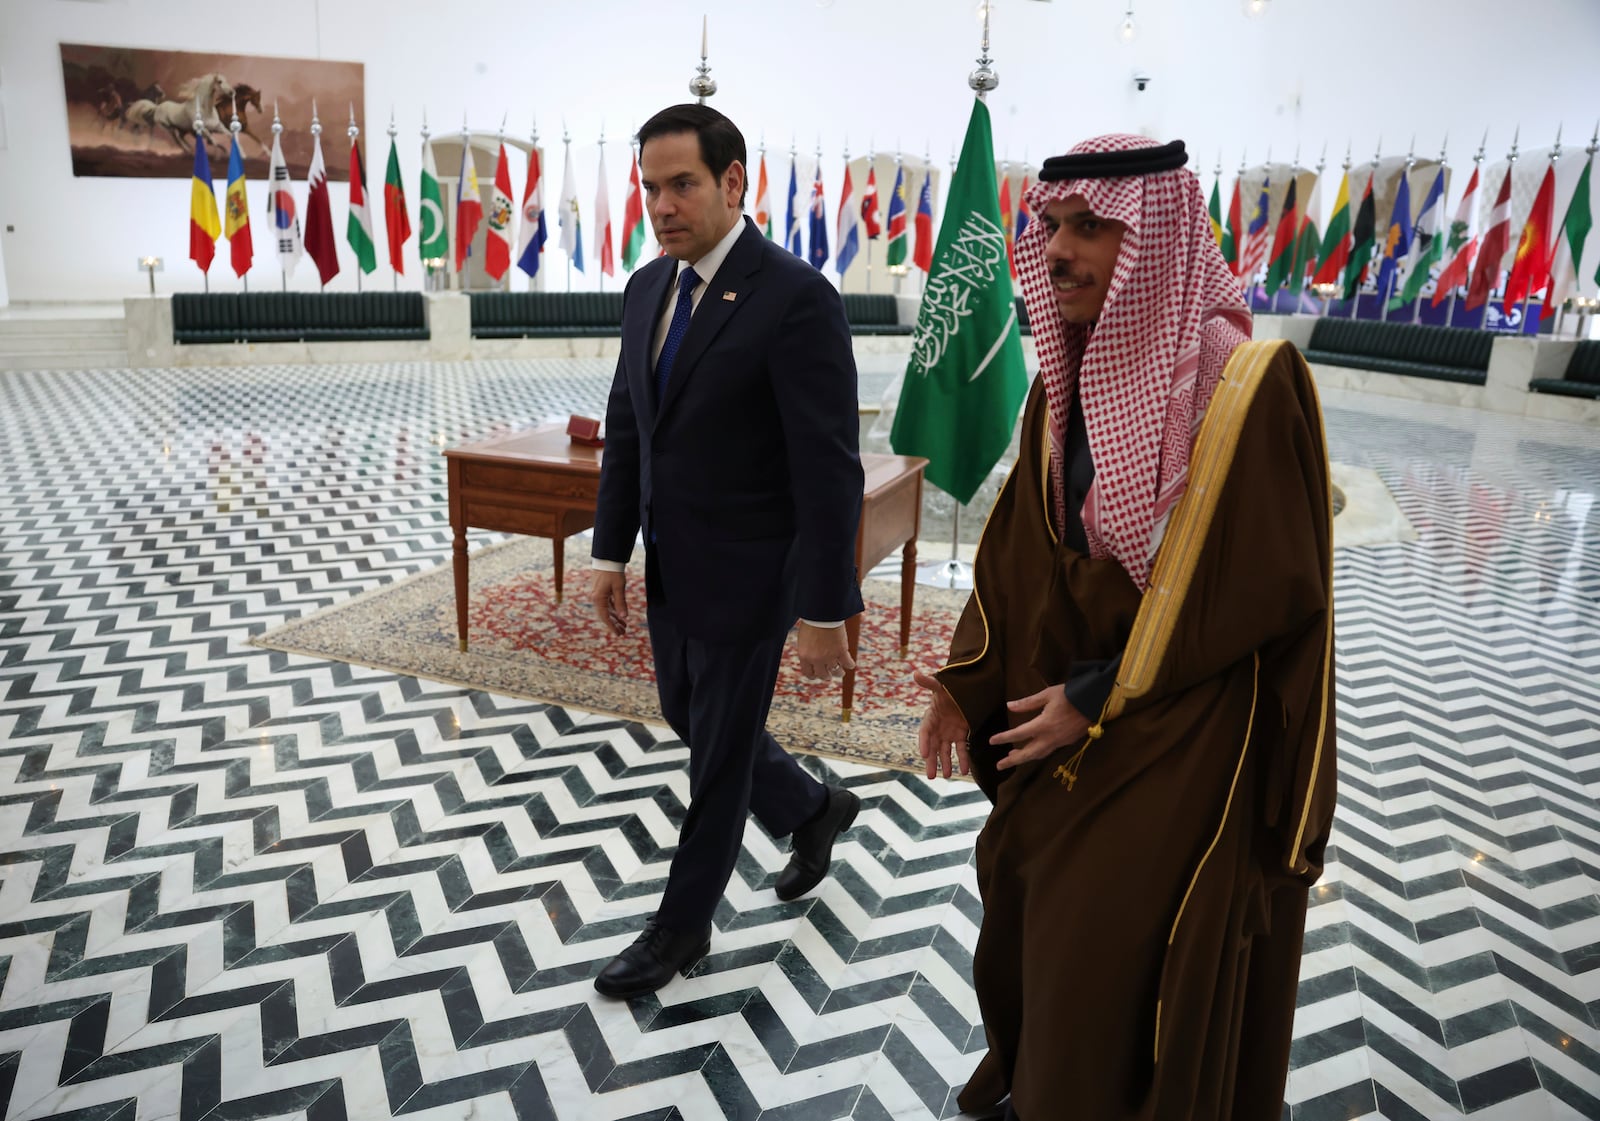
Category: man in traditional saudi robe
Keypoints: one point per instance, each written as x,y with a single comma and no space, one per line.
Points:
1141,680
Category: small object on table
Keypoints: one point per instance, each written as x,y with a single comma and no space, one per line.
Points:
585,430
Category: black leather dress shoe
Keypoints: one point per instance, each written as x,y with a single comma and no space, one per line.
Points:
651,961
811,845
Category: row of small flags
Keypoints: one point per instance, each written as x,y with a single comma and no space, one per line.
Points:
1547,256
856,220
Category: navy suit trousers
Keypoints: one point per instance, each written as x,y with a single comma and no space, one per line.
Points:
715,696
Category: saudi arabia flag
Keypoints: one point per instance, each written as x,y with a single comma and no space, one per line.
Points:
966,378
434,244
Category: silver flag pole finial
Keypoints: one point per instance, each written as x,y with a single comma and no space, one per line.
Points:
702,85
984,78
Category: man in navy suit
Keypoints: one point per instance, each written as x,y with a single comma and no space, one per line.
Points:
731,441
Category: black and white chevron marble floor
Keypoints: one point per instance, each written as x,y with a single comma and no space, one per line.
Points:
236,884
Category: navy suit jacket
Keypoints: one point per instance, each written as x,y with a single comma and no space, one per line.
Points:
746,476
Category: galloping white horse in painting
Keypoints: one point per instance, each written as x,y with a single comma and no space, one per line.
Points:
196,96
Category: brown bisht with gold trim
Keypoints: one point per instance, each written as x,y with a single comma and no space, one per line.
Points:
1145,891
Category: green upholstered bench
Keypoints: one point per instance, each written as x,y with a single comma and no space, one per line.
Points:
1442,353
1582,378
533,315
267,317
873,315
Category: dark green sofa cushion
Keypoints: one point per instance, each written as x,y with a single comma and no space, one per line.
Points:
1442,353
298,316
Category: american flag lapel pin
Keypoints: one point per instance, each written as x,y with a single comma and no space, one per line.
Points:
729,296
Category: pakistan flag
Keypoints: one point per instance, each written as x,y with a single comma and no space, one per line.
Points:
434,244
966,378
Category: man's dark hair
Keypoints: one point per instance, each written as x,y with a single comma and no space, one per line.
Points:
721,142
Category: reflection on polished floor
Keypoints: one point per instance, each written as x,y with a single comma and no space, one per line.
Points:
236,883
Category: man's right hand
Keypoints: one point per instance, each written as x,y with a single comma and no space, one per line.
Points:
609,593
944,732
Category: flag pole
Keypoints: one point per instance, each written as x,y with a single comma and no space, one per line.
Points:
600,273
352,132
199,140
1555,154
566,151
864,237
277,131
1355,301
1477,166
896,278
1394,273
955,572
233,127
702,85
1561,312
1444,149
393,132
316,133
1316,190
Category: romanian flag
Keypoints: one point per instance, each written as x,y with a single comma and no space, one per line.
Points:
238,210
204,225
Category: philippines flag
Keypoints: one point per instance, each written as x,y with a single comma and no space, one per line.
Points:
531,241
819,222
469,205
849,226
922,255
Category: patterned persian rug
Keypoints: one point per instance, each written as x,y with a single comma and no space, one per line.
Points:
522,643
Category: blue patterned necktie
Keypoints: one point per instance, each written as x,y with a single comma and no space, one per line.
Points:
679,327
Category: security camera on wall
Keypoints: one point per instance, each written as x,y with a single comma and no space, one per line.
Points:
1141,81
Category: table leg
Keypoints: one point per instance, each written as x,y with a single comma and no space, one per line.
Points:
458,552
852,632
908,590
560,549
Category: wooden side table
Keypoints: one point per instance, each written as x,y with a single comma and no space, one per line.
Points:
536,482
891,517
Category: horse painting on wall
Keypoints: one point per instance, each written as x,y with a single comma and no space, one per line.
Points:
132,112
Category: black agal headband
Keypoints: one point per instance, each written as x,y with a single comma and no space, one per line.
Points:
1113,165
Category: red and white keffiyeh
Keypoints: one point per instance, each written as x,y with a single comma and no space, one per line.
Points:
1146,370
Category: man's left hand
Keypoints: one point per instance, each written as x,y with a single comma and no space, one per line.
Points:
824,651
1056,725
